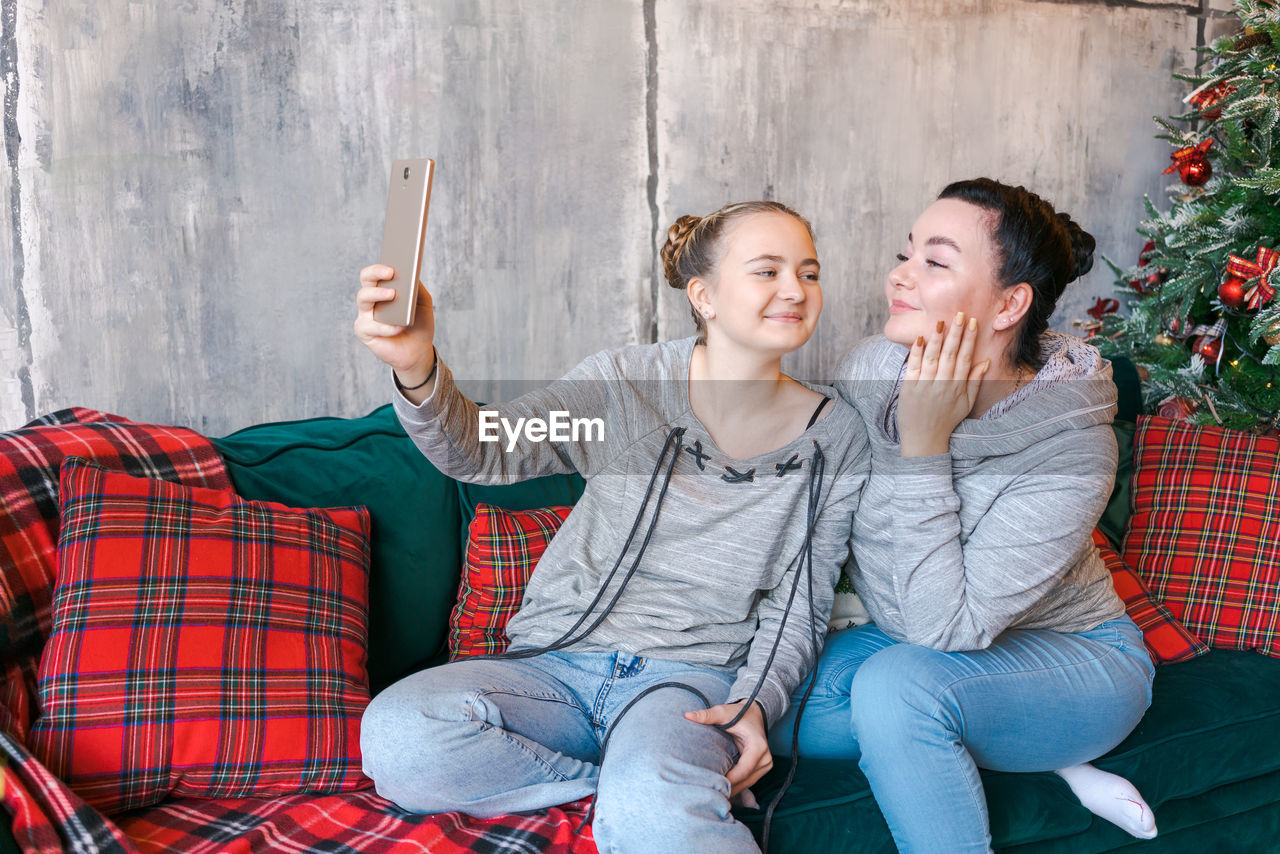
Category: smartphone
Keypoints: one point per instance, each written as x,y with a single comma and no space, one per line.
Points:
403,231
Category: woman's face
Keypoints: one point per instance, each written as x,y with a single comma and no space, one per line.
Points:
947,266
765,293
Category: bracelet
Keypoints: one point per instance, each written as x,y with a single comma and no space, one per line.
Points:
429,378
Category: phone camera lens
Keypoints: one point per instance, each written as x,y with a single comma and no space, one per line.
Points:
406,173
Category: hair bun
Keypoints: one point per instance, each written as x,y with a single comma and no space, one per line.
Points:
1082,246
677,236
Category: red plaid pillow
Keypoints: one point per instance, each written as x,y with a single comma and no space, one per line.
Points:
202,645
502,548
1166,639
30,459
1205,528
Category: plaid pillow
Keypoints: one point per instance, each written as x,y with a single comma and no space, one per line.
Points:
202,645
502,548
1204,530
30,459
1166,639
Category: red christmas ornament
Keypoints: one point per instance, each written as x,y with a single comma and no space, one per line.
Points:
1209,101
1232,292
1150,283
1192,164
1210,349
1261,293
1103,306
1196,173
1144,257
1177,408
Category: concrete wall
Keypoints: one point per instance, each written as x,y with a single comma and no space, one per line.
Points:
191,188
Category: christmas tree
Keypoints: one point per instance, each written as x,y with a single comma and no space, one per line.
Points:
1203,322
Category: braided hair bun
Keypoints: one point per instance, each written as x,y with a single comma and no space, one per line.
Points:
1082,246
677,236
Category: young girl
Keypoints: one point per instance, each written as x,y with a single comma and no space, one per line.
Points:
677,609
998,640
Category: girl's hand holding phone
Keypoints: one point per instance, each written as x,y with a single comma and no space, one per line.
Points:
939,388
409,350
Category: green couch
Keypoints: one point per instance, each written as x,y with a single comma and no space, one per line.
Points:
1206,756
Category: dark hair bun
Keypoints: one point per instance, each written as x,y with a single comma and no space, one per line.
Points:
677,236
1082,246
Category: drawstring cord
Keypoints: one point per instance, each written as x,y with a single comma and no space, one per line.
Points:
805,568
815,488
675,439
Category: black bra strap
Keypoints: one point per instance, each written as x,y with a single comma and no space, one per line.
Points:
813,418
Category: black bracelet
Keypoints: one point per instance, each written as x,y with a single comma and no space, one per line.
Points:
429,378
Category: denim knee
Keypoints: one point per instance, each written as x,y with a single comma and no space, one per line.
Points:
895,694
404,746
648,802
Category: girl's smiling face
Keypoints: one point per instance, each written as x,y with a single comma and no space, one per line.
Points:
948,265
765,292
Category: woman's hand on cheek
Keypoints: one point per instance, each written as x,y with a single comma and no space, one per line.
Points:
939,388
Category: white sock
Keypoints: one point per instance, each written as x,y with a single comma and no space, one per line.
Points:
1111,797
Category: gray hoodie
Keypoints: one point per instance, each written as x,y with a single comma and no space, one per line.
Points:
713,585
950,550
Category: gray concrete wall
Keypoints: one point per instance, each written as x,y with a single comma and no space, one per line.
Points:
191,188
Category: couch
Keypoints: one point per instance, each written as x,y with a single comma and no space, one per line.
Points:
1206,755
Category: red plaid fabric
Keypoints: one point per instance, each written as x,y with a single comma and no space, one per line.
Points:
1205,528
1166,639
346,824
30,458
202,644
503,546
48,818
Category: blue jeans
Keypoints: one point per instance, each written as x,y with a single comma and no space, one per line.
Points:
921,722
491,736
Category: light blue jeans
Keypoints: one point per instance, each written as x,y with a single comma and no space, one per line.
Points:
922,722
491,736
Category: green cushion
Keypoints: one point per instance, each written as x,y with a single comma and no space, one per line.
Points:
1116,516
416,554
1240,817
1128,388
1210,732
1128,407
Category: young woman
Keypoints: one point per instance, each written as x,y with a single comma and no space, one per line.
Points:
997,639
676,610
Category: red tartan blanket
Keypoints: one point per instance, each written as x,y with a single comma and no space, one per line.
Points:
49,817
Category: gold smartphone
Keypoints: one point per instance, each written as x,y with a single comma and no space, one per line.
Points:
403,230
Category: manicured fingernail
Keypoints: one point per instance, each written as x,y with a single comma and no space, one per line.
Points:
920,341
959,317
941,326
973,324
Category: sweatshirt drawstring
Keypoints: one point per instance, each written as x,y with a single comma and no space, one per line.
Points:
804,568
815,488
675,438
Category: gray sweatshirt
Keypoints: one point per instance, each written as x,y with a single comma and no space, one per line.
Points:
950,550
713,584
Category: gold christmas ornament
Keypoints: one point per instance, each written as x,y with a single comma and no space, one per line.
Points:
1272,335
1164,340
